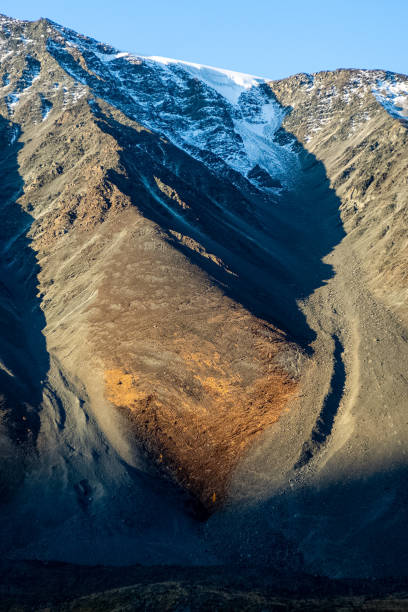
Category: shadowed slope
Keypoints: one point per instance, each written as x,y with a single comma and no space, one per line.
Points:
24,359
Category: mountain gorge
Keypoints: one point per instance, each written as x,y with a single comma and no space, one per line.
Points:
203,311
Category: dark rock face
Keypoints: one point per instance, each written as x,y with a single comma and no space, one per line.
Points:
263,178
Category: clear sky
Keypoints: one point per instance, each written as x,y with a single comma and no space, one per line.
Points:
262,37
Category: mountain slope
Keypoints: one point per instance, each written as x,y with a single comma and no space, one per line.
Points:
145,338
197,266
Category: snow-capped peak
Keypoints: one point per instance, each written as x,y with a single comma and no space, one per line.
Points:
228,83
222,117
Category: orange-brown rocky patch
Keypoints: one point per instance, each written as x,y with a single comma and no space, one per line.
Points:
200,406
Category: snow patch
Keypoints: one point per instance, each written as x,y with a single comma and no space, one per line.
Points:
30,73
11,102
46,107
14,134
393,96
5,55
25,40
108,57
73,94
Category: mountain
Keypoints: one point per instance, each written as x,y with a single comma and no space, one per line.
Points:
203,311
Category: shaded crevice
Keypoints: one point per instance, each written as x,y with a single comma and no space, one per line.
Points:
59,407
324,424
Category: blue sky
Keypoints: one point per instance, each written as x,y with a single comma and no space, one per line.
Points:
262,37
